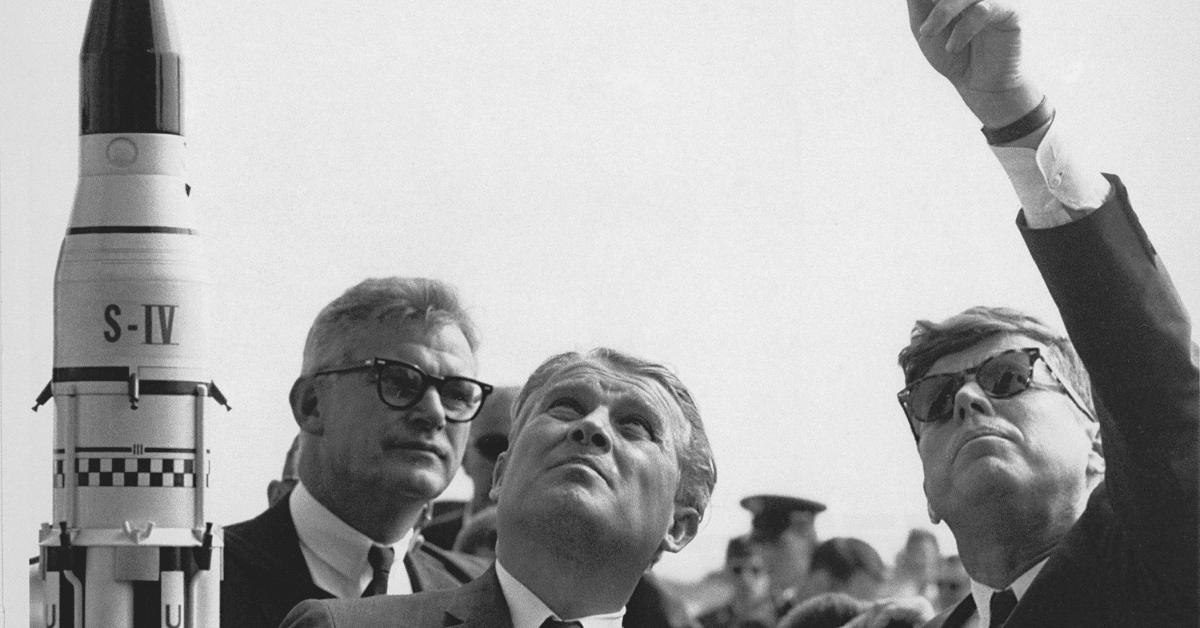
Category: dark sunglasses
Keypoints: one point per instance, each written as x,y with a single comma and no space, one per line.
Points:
402,385
490,446
930,399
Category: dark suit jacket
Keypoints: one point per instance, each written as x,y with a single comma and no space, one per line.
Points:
1131,559
477,604
443,529
265,572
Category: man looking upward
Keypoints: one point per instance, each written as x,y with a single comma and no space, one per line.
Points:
1073,503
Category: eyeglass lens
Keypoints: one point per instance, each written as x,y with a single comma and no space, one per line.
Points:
402,386
1000,376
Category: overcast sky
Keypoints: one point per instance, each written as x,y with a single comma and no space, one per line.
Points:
764,195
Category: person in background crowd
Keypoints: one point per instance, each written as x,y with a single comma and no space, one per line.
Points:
840,610
751,605
844,565
478,536
489,439
953,583
784,527
281,488
917,566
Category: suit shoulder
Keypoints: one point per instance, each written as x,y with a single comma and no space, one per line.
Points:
418,610
462,567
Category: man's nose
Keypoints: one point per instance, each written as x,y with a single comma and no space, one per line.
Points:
970,399
428,413
591,431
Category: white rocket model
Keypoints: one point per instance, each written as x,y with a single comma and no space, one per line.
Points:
129,544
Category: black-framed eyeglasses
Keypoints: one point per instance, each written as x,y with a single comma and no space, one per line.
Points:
402,385
490,446
930,399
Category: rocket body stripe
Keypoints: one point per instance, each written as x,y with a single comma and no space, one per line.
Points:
120,229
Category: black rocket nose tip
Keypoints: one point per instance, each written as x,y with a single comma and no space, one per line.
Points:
130,70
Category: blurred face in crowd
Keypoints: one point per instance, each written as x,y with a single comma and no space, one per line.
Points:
1035,445
920,558
749,576
597,450
786,556
953,584
489,436
368,447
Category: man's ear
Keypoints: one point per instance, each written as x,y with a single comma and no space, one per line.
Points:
685,522
498,476
305,409
277,490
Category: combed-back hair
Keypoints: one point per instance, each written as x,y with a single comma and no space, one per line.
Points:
931,341
698,469
403,299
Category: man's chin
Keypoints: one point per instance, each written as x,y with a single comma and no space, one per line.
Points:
418,484
987,478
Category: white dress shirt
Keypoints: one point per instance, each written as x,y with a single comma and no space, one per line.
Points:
336,553
529,611
1052,179
983,593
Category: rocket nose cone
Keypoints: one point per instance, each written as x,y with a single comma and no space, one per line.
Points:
130,70
128,26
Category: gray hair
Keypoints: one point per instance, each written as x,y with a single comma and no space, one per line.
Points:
698,469
404,299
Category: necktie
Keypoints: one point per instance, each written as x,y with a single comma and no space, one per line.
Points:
554,623
1001,606
380,559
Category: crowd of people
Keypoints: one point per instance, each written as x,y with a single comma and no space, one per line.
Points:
1064,465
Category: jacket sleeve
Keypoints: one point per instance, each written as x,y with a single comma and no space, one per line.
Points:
1130,328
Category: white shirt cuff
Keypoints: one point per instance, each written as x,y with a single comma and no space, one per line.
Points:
1054,184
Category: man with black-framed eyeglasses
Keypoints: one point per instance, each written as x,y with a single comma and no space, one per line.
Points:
1073,501
384,401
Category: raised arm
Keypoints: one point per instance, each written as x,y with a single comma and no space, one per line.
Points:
1118,303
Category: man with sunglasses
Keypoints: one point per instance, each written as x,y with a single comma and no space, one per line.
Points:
488,439
1053,528
608,468
385,395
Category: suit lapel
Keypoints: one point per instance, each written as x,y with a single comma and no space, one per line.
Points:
964,611
283,545
479,604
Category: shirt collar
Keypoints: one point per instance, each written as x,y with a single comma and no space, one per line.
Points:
341,548
529,611
983,593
